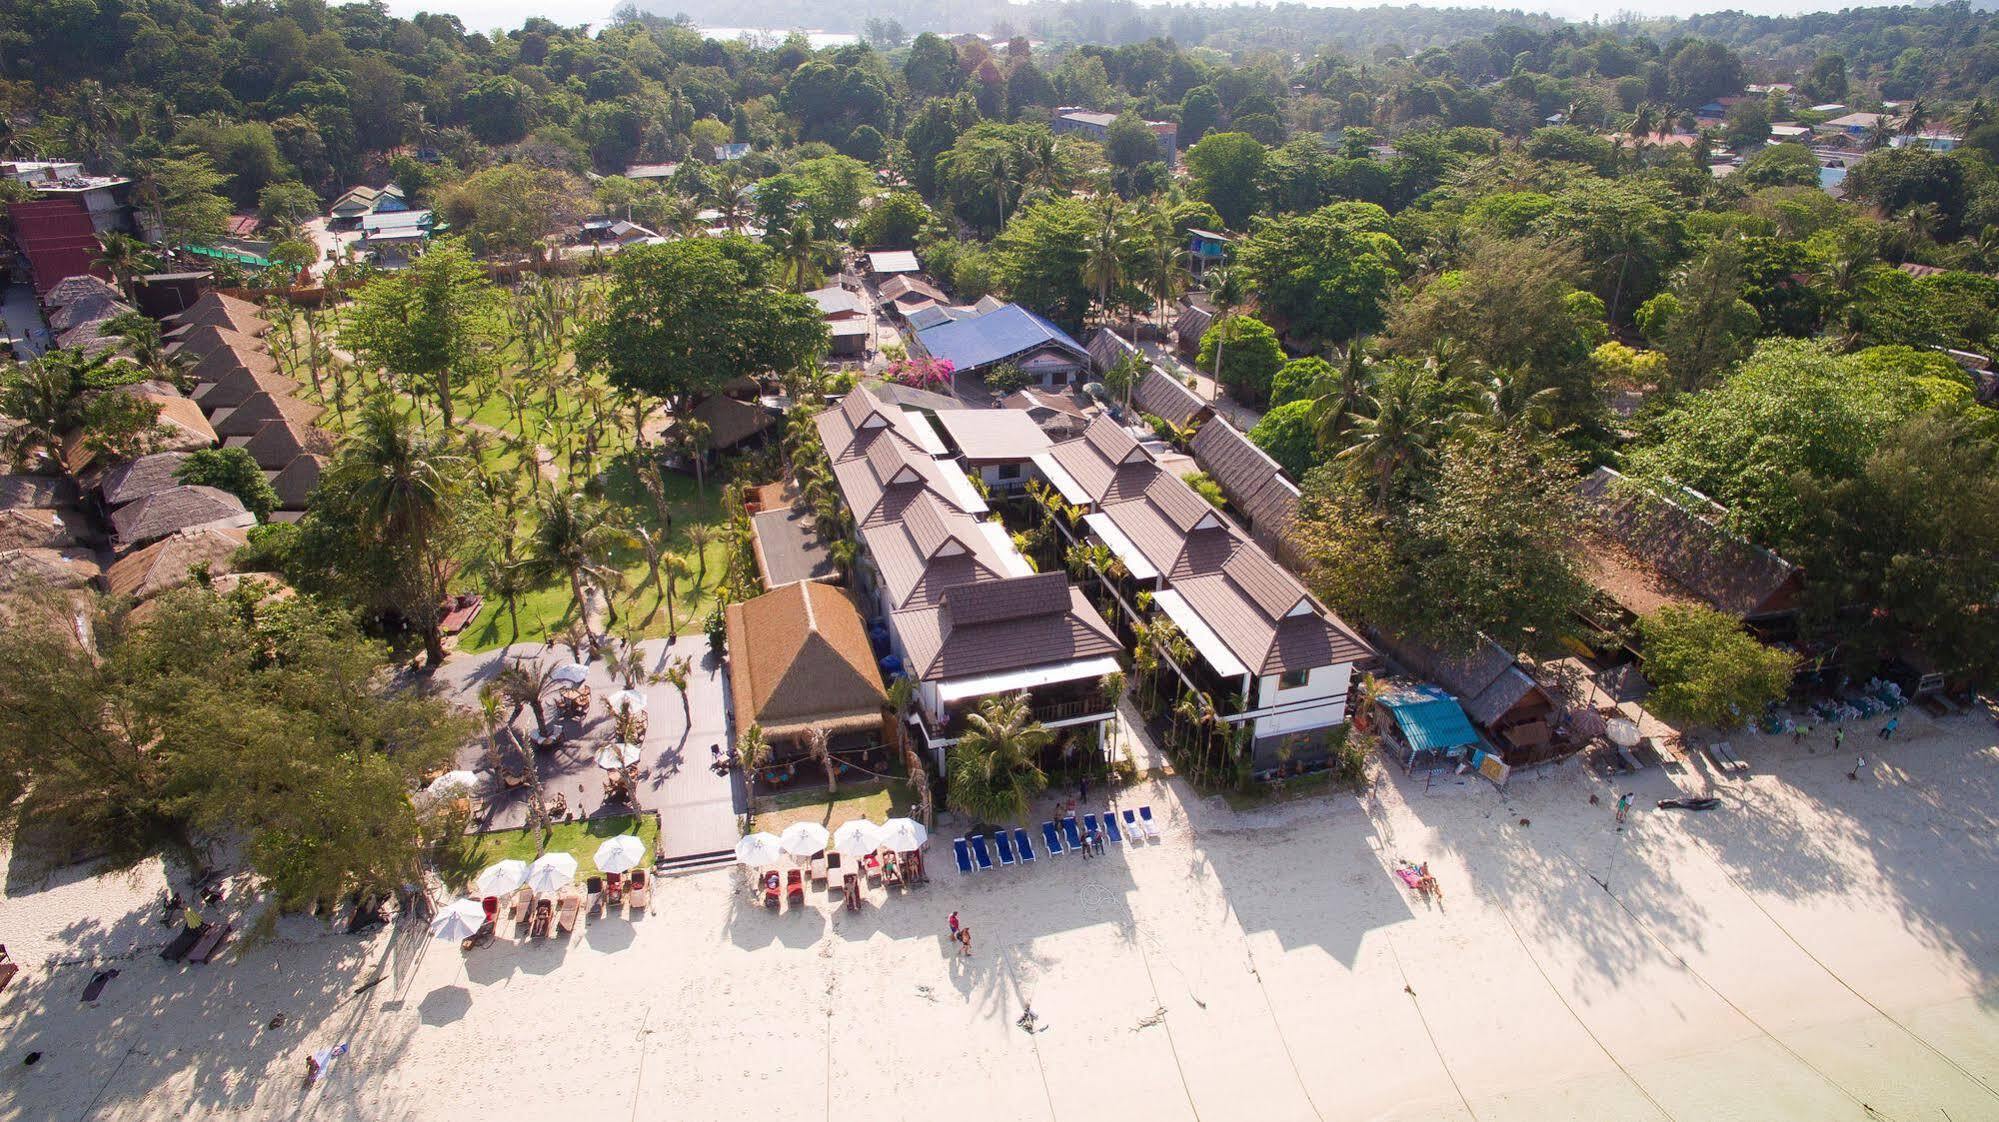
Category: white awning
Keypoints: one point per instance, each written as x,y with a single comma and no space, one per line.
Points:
1015,680
1101,523
1060,477
1198,632
1016,565
959,489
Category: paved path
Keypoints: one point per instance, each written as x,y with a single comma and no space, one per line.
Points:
697,808
23,320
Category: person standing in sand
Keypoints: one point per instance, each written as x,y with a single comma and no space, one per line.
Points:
954,926
965,940
1859,765
1623,806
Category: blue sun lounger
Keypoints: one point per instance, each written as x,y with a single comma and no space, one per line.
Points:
1021,843
1071,833
1145,816
979,851
1110,826
1052,839
1132,829
1005,846
964,855
1091,830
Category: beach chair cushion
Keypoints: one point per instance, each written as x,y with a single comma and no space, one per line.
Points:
1051,839
1073,835
980,851
964,854
1145,817
1021,842
1132,829
1005,846
1110,826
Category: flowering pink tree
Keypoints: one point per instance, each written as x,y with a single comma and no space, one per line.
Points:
922,373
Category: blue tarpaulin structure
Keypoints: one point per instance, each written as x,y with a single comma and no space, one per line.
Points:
1007,331
1430,720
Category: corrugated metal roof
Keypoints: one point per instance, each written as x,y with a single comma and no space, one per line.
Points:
1430,719
996,336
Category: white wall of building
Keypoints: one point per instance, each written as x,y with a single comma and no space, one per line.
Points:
1319,703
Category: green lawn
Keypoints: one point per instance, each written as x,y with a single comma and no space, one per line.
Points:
875,800
580,839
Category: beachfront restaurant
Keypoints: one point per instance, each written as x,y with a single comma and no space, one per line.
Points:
1426,729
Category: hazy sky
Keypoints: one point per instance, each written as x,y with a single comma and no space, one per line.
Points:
482,15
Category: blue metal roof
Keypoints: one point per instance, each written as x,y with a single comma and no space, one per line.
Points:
996,336
1430,719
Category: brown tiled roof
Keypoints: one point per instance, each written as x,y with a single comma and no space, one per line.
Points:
1266,644
47,568
799,657
1487,680
223,311
71,289
135,479
1014,598
1192,324
1234,461
294,483
1107,348
223,361
1272,510
187,428
1181,505
88,336
942,645
165,563
177,508
909,575
261,407
1032,399
240,385
280,442
730,421
1169,399
90,309
1275,592
897,287
24,527
1686,554
201,340
1112,442
850,430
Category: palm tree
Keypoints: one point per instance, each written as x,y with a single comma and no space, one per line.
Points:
1164,278
1333,411
490,699
1105,253
672,566
406,486
1224,292
674,674
1974,116
901,696
819,746
572,540
506,578
525,682
752,751
699,537
124,257
843,553
1405,422
799,246
1918,118
691,436
146,346
48,398
995,769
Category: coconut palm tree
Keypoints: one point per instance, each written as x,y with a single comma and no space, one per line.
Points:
573,540
491,701
699,537
674,674
1333,411
820,747
525,683
672,566
995,769
1164,277
752,752
1106,252
901,697
124,257
407,486
1405,421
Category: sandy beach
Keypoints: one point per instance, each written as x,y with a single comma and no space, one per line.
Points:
1817,948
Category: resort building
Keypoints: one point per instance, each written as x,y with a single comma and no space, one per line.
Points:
1268,654
961,611
1007,334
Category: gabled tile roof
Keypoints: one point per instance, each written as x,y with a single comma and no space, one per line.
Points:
909,574
1108,348
262,407
279,442
177,508
1234,461
295,482
1169,399
213,307
135,479
1014,598
224,361
240,385
941,644
199,341
799,657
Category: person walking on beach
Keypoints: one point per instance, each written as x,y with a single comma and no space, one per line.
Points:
965,939
1083,789
1859,765
1888,730
1623,805
1838,739
954,927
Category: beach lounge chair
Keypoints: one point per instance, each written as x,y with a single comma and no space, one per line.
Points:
819,868
8,968
1110,827
565,915
1070,833
1021,843
1132,829
595,887
1090,825
770,889
979,850
480,938
182,943
492,906
964,853
1004,844
1145,819
794,888
638,890
522,906
1051,839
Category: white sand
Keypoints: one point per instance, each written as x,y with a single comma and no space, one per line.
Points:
1817,944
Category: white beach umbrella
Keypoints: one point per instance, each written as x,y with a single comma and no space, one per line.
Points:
550,872
461,920
503,877
454,783
620,854
857,837
569,674
627,699
903,834
1623,732
803,839
611,757
759,849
